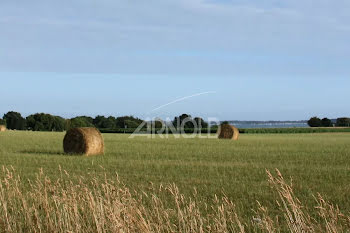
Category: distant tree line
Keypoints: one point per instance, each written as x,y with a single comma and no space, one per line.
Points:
48,122
325,122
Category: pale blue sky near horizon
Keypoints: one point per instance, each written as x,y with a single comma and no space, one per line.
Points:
260,60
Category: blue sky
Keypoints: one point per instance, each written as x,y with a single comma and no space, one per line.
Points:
263,60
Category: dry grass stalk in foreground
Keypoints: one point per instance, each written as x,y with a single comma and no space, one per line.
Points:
109,206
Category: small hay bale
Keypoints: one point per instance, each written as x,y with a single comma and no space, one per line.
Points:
3,128
86,141
228,132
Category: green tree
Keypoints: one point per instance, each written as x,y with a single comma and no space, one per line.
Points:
97,121
326,122
45,122
102,122
14,120
80,121
343,122
109,123
128,121
200,123
39,122
315,122
31,122
131,124
2,122
158,123
86,119
59,124
184,121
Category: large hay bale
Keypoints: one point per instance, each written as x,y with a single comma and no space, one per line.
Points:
87,141
228,132
3,128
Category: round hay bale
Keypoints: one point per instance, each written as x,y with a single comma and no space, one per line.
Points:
86,141
3,128
228,132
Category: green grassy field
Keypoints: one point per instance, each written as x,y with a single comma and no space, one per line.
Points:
316,162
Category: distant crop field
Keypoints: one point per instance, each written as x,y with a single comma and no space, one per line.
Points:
296,130
317,163
213,130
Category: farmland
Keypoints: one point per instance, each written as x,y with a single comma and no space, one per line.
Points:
318,163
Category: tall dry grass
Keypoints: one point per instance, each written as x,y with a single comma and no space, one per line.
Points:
95,205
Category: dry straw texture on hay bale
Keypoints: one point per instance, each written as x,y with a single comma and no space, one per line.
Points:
3,128
87,141
228,132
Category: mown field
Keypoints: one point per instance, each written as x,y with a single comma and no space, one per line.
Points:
317,163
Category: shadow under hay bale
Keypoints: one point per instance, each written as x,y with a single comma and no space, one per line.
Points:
3,128
86,141
228,132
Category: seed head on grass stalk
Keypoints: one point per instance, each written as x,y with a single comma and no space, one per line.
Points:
104,205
